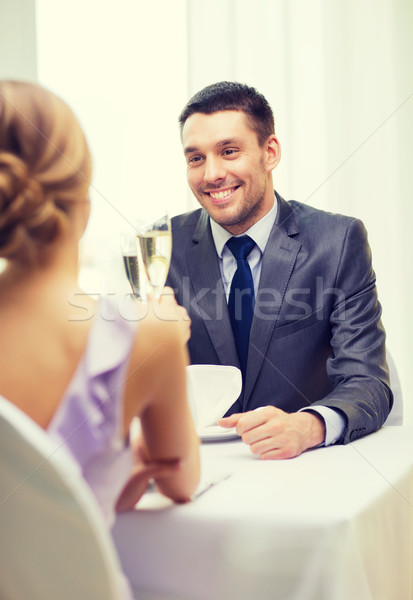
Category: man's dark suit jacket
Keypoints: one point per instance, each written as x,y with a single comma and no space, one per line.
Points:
316,336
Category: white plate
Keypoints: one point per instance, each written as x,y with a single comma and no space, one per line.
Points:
215,433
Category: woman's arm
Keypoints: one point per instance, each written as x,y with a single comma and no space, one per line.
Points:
156,392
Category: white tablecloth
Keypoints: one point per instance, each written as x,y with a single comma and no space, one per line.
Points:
333,524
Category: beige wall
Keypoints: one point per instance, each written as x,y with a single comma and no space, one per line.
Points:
18,39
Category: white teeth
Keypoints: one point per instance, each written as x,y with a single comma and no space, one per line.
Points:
221,195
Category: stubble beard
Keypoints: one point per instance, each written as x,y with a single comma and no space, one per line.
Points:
244,217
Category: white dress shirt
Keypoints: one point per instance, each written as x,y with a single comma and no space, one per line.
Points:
335,422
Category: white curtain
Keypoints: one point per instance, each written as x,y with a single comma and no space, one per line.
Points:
338,74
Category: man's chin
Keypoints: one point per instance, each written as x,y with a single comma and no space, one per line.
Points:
222,215
232,223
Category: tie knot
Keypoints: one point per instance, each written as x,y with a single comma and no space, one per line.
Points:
240,246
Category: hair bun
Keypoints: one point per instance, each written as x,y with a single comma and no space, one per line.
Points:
45,169
13,176
25,217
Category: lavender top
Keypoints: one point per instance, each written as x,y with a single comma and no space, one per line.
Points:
89,420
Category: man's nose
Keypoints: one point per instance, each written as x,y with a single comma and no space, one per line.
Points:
214,170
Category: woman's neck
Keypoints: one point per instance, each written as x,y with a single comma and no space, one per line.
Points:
19,279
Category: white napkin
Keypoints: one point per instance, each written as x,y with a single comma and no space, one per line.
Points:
212,389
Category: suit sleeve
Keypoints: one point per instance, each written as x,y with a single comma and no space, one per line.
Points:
357,366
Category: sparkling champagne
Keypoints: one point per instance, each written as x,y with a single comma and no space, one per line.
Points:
156,247
133,273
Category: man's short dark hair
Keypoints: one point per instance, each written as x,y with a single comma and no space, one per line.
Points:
230,95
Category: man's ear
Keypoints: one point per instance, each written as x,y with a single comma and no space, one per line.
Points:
273,150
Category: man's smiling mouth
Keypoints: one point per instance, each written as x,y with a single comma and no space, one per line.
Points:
222,194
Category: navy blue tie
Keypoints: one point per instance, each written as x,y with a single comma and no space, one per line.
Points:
241,297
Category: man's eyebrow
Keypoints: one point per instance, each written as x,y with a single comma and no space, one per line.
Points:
220,144
190,149
228,142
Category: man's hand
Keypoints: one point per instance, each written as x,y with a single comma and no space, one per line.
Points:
275,434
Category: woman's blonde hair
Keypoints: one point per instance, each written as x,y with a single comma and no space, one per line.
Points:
45,166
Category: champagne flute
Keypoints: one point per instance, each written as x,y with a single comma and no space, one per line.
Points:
155,248
132,261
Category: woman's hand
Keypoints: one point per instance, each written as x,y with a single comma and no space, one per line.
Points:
142,473
167,309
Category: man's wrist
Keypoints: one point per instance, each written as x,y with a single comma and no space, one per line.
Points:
334,422
317,431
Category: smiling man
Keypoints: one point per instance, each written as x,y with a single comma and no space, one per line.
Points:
279,289
231,175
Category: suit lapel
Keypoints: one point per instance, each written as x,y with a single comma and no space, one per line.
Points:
277,267
209,292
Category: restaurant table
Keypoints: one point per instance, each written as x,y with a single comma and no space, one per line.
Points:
335,523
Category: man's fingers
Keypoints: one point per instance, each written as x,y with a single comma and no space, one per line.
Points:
255,418
281,453
230,421
244,421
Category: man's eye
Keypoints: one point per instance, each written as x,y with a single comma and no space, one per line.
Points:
194,159
229,152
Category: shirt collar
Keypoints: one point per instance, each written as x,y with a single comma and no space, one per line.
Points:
259,232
